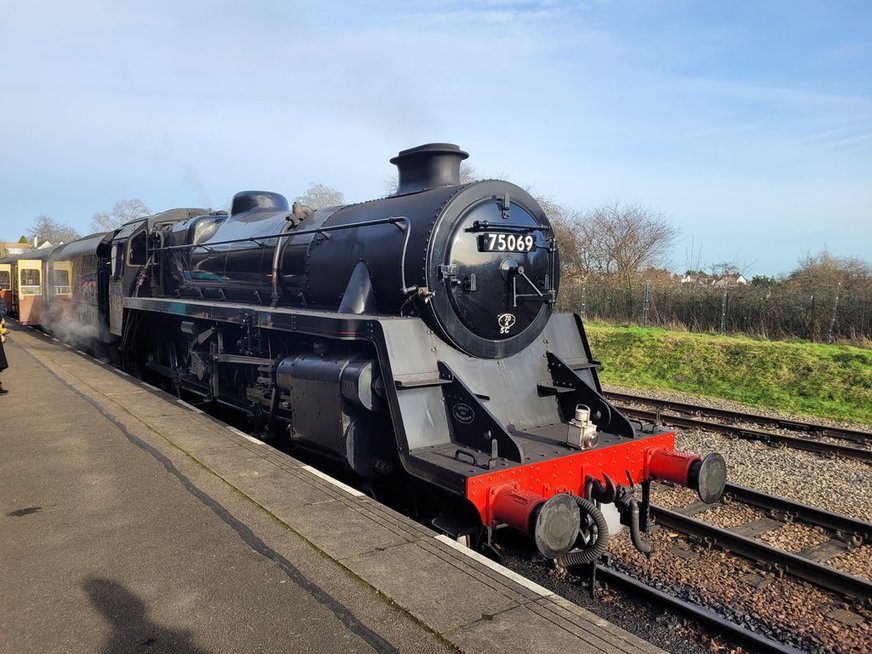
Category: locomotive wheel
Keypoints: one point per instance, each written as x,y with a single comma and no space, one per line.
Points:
162,363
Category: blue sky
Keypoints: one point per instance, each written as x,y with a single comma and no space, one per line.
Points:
748,124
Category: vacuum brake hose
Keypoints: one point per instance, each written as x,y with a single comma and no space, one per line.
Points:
595,549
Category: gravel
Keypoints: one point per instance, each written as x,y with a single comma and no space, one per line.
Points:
672,497
729,516
857,562
795,538
791,537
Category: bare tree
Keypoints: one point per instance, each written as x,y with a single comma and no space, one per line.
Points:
318,196
626,239
48,229
123,212
569,232
725,268
823,270
468,175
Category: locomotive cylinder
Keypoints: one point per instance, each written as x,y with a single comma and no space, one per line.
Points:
337,405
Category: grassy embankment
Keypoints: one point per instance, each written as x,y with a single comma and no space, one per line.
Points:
832,381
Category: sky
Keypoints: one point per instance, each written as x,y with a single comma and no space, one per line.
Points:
748,124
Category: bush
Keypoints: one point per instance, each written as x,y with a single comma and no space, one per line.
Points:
778,313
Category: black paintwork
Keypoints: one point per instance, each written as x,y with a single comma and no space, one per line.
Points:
419,251
381,334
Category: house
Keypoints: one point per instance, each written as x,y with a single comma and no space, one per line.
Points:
18,248
698,278
732,279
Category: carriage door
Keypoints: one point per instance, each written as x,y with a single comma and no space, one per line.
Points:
29,291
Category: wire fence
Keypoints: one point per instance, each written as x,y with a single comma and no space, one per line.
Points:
826,315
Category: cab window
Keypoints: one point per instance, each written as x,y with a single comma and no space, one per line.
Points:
117,259
138,251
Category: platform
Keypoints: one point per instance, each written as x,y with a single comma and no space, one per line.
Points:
130,521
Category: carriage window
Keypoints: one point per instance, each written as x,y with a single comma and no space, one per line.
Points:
62,282
5,281
30,282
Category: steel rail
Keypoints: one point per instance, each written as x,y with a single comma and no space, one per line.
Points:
795,442
837,522
755,641
792,564
727,414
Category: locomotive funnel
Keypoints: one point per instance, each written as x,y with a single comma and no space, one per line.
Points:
428,166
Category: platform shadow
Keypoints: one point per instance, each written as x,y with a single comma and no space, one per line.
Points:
133,631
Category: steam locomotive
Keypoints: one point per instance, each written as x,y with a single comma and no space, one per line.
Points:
412,338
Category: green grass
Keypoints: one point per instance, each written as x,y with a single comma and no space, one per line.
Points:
831,381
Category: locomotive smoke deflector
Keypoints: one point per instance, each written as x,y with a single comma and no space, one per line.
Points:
428,166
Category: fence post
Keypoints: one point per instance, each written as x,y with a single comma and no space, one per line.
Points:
645,303
835,310
812,323
724,313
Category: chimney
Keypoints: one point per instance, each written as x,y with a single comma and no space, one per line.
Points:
428,166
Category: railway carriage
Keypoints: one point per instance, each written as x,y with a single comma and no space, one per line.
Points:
6,283
27,292
77,290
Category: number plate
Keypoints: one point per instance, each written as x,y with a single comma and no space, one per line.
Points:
497,242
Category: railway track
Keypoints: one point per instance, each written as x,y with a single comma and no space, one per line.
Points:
699,614
818,429
850,530
768,437
807,565
761,633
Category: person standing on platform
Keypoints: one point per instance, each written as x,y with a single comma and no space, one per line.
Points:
3,363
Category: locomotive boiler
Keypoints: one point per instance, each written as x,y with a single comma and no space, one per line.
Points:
411,338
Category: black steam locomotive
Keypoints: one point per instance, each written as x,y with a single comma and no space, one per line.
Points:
411,338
